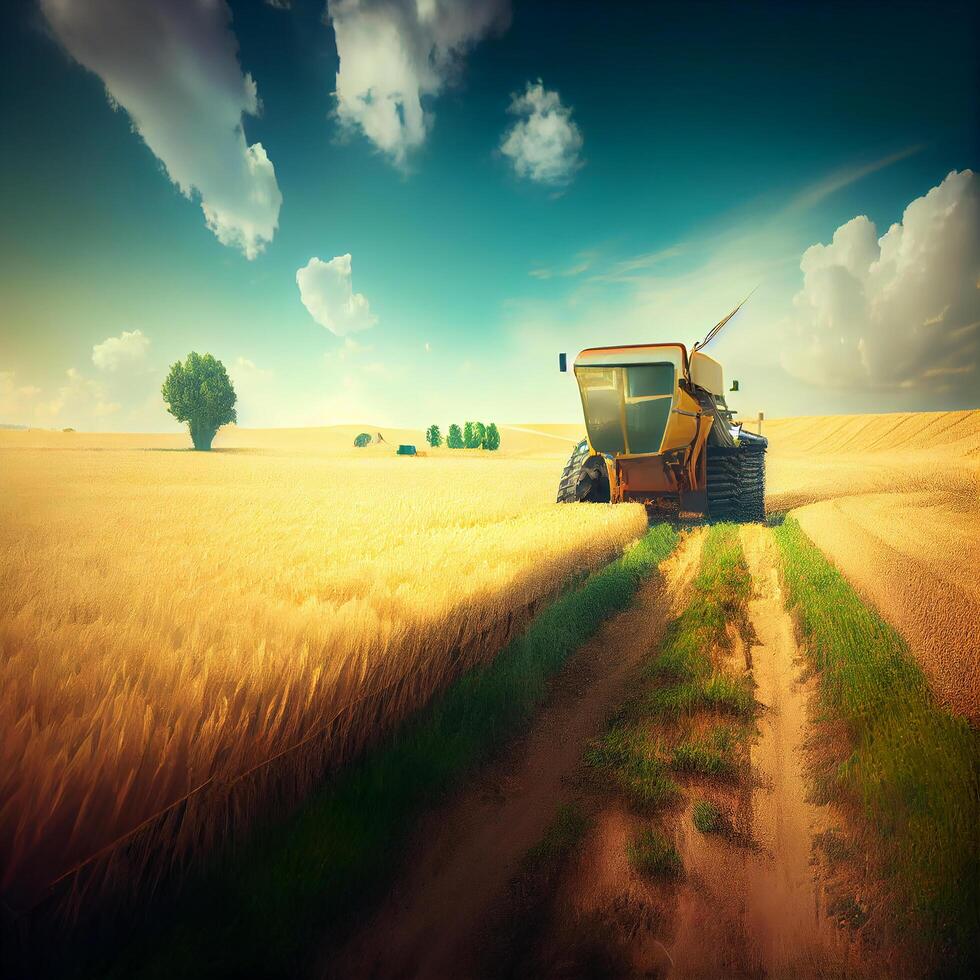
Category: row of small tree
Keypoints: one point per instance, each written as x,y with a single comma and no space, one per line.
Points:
473,435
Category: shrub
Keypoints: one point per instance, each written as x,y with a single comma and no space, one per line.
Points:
362,439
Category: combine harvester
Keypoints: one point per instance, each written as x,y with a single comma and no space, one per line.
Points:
660,433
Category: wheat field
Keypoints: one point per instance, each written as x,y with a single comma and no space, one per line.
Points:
170,620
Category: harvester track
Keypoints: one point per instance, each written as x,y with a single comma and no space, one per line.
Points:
583,481
569,478
737,483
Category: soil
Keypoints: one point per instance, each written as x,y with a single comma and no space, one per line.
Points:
750,903
466,852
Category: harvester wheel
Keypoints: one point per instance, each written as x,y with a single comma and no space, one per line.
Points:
584,479
737,483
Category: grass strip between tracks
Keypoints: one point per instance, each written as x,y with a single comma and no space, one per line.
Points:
680,680
913,769
261,912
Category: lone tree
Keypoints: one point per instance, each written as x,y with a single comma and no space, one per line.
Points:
491,439
362,439
433,436
455,440
199,392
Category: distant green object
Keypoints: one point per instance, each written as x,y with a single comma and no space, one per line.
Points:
362,439
406,451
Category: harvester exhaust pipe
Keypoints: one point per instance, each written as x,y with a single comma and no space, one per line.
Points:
716,329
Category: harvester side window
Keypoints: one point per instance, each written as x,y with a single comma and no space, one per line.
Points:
602,401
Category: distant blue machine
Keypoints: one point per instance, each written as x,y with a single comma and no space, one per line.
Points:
407,451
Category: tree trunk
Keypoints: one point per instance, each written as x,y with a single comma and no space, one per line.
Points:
202,435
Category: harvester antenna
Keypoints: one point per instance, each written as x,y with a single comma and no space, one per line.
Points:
716,329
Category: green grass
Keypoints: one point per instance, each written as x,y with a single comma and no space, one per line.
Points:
685,679
708,818
914,766
681,680
634,761
654,854
678,682
261,910
711,755
565,831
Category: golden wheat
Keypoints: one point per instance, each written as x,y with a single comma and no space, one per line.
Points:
172,618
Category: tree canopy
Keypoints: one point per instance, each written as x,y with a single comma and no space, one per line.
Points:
200,393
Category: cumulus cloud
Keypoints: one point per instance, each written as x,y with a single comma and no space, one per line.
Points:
899,311
173,66
78,400
326,291
17,401
395,52
127,350
544,143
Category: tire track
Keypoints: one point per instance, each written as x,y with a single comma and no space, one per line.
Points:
465,853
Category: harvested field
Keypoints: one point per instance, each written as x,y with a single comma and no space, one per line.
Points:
171,620
913,555
894,501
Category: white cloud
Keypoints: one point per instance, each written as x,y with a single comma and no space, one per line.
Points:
811,196
17,402
899,311
127,350
395,52
173,66
76,402
326,291
544,144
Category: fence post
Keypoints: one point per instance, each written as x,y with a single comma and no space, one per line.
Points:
760,423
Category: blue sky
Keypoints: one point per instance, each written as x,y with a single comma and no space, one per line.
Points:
673,157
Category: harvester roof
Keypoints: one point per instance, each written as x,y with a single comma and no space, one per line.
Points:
633,354
703,370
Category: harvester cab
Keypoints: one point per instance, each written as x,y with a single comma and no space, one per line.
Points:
659,432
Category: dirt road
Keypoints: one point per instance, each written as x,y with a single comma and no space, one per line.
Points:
749,903
465,853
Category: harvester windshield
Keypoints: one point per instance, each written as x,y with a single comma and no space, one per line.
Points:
627,406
